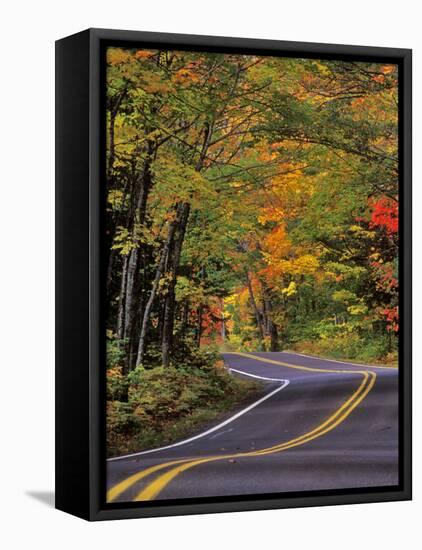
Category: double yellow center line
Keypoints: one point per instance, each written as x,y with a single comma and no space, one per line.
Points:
175,467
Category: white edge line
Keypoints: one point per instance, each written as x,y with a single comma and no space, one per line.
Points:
284,383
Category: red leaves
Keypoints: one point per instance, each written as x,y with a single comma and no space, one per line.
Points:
385,213
392,317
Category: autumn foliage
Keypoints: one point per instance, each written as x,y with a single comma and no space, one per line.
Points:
252,203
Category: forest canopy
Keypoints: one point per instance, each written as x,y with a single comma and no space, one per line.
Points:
252,203
250,200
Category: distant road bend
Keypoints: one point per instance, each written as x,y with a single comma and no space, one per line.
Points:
321,424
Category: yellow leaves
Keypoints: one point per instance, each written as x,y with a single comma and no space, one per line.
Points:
290,290
322,68
230,300
344,296
270,214
375,256
125,240
243,298
354,228
361,232
303,265
115,199
358,309
306,264
118,56
164,283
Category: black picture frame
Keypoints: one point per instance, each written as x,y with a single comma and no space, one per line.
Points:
80,445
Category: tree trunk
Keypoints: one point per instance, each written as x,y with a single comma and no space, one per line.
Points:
168,324
111,129
199,326
170,302
130,284
132,299
271,326
258,315
185,319
223,322
122,297
158,274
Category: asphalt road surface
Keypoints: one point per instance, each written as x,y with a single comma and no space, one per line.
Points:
318,425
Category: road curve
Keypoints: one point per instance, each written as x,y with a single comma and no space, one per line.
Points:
321,425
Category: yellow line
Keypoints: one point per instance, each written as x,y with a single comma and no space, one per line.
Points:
300,367
155,487
348,406
118,489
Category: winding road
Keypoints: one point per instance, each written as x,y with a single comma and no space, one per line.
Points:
320,424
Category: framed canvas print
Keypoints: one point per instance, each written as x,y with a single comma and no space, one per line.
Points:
233,274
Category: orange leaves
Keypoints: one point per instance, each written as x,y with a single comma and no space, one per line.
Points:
120,56
387,69
358,102
379,78
143,54
277,243
186,76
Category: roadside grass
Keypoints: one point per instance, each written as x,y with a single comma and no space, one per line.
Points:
165,405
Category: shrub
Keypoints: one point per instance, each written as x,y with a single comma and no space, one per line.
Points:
164,403
117,384
115,352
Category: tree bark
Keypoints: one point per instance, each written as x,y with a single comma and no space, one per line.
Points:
170,302
258,315
223,322
185,318
158,274
122,297
130,284
133,298
199,326
270,325
169,312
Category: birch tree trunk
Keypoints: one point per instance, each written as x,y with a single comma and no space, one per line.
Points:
158,273
122,297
